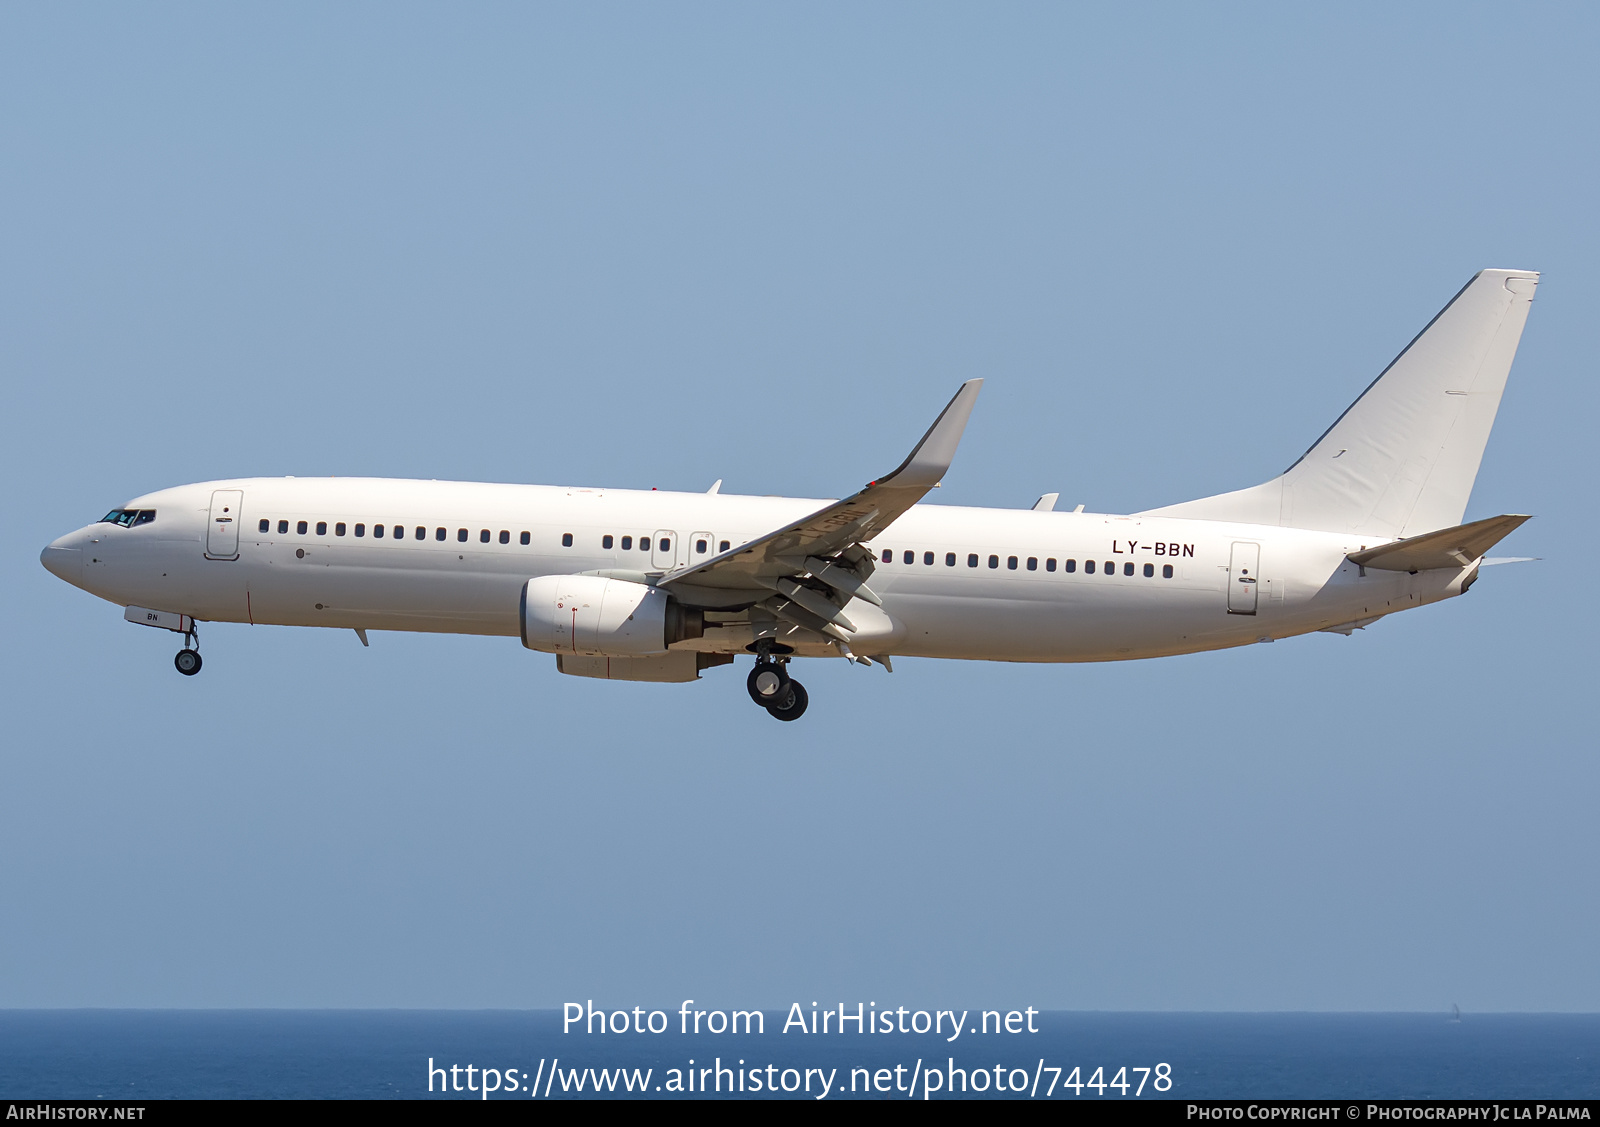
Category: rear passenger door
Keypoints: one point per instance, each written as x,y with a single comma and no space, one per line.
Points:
1242,578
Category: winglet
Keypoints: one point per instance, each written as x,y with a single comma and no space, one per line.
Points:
784,552
926,465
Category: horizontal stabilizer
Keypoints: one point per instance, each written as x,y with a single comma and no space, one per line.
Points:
1453,548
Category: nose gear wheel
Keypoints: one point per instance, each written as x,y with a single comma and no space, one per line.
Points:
187,660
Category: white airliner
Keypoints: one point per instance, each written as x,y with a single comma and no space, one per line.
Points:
654,586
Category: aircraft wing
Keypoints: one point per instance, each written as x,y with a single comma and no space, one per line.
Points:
807,571
1448,548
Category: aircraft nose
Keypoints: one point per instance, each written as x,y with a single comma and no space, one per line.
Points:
63,562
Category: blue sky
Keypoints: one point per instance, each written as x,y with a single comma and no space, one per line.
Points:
655,246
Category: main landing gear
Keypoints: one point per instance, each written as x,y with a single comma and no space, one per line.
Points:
188,659
771,687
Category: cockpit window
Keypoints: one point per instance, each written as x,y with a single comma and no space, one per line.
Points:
127,518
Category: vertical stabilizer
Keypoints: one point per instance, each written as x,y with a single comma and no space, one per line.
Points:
1402,458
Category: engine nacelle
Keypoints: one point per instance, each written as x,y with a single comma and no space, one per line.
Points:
586,614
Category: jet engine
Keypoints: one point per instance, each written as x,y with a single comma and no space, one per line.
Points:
587,614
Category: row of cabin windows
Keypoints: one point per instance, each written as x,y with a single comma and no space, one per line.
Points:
398,532
662,543
1089,566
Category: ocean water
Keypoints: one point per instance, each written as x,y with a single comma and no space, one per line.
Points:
131,1055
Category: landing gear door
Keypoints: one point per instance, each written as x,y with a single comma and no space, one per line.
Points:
222,532
1242,578
664,550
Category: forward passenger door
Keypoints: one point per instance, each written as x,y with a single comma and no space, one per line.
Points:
222,530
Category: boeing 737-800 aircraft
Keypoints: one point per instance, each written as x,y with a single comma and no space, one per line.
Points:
653,586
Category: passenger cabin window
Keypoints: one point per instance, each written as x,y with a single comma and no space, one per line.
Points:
439,534
505,536
994,561
1166,571
483,537
1088,567
377,532
949,559
566,539
399,532
664,544
322,528
1070,566
927,559
1127,569
627,543
461,536
723,546
1111,567
361,530
422,533
1011,562
888,555
606,541
283,526
1149,571
265,524
300,528
911,557
338,529
701,546
1050,564
972,559
527,538
644,543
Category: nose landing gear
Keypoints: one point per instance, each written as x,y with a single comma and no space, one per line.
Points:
188,659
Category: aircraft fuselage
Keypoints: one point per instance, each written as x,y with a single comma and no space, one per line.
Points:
984,584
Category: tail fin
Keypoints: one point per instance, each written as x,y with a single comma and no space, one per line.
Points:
1402,458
